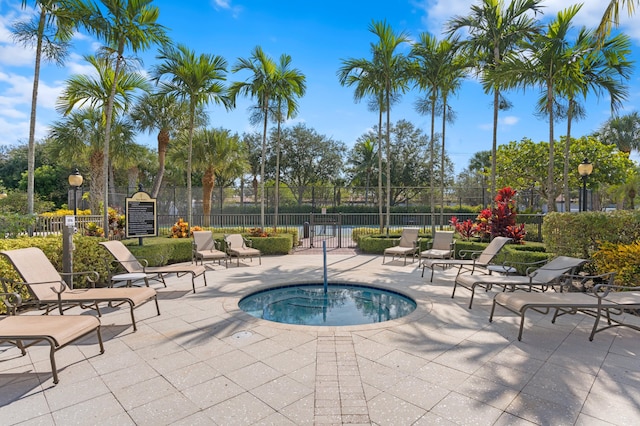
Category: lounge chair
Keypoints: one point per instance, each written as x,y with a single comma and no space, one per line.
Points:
538,279
442,247
57,331
49,290
128,261
407,244
206,248
469,259
598,303
238,246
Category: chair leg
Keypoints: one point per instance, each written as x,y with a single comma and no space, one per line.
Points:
52,358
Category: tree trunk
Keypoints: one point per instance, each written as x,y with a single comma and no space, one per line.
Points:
262,161
208,182
494,146
388,133
31,155
96,182
567,146
107,132
163,144
432,163
550,180
380,199
444,125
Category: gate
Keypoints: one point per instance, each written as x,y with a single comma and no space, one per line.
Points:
327,228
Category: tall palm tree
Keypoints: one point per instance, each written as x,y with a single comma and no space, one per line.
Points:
546,60
364,75
438,70
600,69
393,70
168,116
193,79
121,24
494,32
84,91
259,85
51,33
289,84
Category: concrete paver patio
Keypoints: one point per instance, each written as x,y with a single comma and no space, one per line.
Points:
205,362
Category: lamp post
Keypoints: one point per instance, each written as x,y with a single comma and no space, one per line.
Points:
584,169
75,180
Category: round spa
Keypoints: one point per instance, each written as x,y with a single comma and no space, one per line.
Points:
340,304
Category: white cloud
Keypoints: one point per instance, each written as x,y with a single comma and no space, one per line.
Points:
510,120
438,12
226,5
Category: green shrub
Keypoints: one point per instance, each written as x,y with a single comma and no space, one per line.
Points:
279,244
160,251
87,256
582,234
624,259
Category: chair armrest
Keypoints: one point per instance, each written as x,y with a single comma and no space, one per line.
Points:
473,254
603,290
11,301
92,276
247,242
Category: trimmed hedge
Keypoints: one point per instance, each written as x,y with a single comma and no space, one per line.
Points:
581,234
160,251
279,244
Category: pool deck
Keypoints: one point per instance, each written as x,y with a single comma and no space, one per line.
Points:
204,362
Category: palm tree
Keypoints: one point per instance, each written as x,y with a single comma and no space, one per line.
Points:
611,15
272,84
168,116
51,32
193,79
121,24
437,69
393,71
251,146
363,159
547,60
363,74
494,32
93,92
78,138
289,83
599,70
622,131
216,151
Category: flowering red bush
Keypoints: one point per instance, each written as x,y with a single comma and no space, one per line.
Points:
499,222
466,229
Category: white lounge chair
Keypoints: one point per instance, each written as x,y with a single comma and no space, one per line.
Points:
132,265
206,248
238,246
48,288
57,331
539,279
601,302
470,259
407,244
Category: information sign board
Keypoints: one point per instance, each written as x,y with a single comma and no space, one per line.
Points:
141,216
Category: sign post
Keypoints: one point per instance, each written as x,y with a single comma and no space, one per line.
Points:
141,216
67,248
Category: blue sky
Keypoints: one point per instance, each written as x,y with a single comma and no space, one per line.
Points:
318,35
